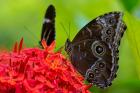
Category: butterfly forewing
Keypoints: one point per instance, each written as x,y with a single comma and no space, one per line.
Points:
48,28
98,25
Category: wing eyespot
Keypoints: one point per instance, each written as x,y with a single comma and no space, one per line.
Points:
112,21
98,49
96,71
109,32
101,65
107,39
91,75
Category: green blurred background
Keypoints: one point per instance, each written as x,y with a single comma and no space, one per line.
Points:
24,18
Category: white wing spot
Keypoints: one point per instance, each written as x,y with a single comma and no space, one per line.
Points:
47,20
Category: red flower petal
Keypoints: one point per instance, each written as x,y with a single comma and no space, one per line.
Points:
33,70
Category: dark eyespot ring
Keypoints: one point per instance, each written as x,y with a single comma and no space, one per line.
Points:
98,49
112,21
101,65
96,71
107,39
109,32
91,75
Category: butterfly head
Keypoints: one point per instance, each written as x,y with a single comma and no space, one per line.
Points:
68,46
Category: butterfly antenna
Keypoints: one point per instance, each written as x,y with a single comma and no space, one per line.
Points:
33,35
65,30
69,30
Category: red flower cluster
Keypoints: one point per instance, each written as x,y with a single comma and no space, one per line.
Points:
34,70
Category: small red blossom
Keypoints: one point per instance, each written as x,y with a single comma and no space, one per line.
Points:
34,70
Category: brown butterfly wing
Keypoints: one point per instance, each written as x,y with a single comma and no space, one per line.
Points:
94,50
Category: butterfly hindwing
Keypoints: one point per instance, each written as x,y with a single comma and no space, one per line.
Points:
48,28
94,50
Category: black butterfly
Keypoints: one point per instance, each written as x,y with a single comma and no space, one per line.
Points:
48,28
94,50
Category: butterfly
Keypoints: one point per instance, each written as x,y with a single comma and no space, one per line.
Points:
48,27
94,50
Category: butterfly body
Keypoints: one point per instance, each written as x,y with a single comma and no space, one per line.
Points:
94,50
